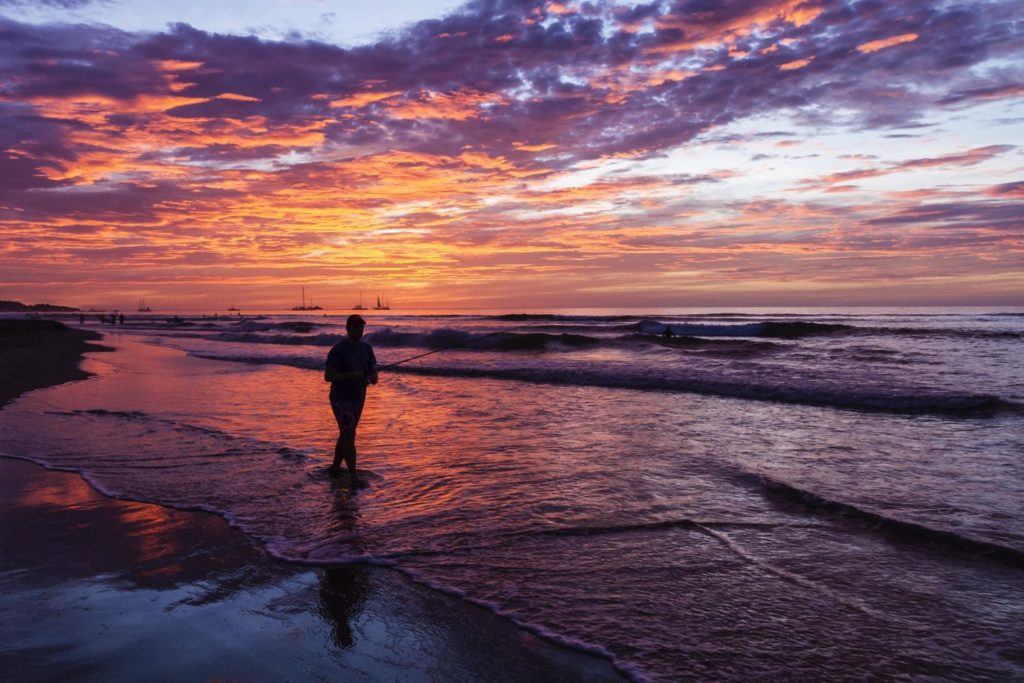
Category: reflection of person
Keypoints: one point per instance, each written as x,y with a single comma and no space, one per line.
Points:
343,594
351,366
345,589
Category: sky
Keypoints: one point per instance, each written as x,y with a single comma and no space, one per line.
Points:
510,153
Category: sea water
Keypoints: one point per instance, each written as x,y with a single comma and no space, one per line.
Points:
765,494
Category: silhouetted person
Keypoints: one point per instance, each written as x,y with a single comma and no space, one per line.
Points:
668,333
120,319
81,318
350,367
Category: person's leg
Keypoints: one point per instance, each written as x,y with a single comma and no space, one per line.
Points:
349,446
345,447
345,450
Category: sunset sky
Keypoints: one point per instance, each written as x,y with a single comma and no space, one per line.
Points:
511,153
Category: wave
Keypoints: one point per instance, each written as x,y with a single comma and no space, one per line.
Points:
435,339
801,328
139,416
902,528
506,341
842,397
554,316
287,339
498,341
581,327
772,328
940,332
957,405
301,326
735,347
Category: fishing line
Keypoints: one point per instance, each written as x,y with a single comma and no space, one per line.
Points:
464,342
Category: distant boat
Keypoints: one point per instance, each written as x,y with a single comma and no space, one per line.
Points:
381,306
304,307
359,306
232,307
143,306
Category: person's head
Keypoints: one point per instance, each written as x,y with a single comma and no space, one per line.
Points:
354,326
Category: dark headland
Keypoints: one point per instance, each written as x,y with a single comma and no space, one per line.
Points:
40,353
7,306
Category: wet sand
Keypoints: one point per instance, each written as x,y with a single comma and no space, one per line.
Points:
98,589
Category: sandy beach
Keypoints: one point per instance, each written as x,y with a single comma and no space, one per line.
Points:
99,589
40,353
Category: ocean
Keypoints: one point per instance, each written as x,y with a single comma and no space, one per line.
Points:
767,494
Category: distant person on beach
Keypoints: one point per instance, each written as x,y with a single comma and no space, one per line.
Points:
120,319
668,333
81,318
350,367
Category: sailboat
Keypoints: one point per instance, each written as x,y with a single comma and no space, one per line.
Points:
359,306
303,306
143,306
380,306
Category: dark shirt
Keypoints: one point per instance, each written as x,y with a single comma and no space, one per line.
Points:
351,356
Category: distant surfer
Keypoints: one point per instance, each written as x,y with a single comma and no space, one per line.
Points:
668,333
351,366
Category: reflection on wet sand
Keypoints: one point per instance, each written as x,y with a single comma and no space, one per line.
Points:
344,589
343,593
100,589
147,546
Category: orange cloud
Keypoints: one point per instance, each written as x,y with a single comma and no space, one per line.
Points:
699,34
876,45
237,98
456,106
360,100
796,64
177,65
523,147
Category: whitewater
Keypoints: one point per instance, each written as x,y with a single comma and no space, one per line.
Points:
763,494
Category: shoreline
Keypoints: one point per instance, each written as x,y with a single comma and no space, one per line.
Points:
118,589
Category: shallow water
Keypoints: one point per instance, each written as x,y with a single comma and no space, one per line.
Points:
681,529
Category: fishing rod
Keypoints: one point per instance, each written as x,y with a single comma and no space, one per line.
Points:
464,342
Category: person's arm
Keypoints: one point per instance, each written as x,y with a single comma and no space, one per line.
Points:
371,376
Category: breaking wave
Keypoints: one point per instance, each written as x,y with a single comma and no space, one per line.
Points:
839,397
907,402
785,330
885,523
